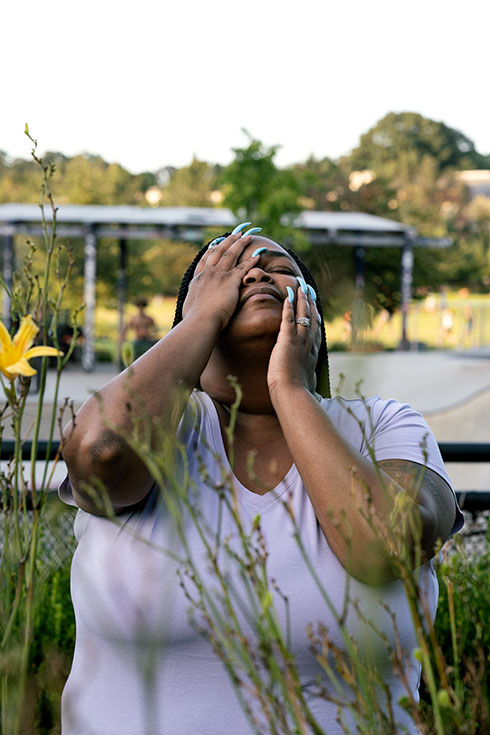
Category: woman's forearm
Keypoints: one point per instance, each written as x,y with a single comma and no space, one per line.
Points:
154,387
352,498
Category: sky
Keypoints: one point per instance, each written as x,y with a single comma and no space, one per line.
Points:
153,83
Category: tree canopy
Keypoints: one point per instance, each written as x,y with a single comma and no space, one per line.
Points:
410,132
405,168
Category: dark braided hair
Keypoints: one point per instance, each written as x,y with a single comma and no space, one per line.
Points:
322,367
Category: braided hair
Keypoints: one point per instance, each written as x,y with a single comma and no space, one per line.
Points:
322,366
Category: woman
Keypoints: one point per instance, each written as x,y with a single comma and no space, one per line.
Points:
300,463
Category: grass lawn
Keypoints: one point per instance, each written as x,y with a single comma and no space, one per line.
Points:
461,321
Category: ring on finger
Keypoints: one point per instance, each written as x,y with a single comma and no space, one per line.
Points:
304,321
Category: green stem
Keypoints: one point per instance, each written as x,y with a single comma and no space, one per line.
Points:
29,607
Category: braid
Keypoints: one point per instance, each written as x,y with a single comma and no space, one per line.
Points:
322,367
184,286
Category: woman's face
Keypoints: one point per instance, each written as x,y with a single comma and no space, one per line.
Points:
264,288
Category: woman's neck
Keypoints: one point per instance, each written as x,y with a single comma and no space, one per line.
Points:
261,457
245,369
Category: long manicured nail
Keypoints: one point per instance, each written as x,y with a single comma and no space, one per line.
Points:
319,318
216,241
290,294
311,291
302,283
241,227
258,251
252,231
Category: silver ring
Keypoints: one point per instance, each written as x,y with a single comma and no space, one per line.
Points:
304,321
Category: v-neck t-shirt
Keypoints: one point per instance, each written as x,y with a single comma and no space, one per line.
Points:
142,665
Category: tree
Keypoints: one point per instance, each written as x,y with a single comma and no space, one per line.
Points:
190,186
404,132
256,190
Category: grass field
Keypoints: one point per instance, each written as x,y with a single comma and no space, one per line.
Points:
460,321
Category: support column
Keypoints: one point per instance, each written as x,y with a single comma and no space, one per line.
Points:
357,317
406,292
90,273
8,274
121,286
359,254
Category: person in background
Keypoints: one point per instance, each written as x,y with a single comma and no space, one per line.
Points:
144,328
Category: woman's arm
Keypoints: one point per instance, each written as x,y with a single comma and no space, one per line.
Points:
365,511
154,387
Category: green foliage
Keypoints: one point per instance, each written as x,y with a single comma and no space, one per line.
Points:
409,132
190,186
463,634
83,179
255,189
412,161
52,648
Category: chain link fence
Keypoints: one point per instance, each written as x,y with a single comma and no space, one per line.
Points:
57,541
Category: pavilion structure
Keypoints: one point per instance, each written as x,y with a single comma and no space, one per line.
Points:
93,223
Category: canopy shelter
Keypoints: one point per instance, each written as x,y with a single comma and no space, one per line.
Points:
93,223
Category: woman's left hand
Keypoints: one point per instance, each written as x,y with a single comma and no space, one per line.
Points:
294,357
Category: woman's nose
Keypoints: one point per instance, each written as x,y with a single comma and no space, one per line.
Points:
256,275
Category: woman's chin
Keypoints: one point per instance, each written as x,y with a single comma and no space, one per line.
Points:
262,324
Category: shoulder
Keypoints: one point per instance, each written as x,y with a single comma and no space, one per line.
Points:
370,415
386,429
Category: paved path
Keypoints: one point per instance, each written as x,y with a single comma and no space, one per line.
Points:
452,390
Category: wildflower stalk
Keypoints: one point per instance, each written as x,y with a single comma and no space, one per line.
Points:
22,529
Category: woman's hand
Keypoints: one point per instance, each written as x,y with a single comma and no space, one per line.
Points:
294,357
214,291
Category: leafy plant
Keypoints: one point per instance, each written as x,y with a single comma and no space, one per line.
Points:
36,298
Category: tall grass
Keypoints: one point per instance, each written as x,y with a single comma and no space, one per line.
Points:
36,618
24,487
258,655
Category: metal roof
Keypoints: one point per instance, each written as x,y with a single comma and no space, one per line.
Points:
95,214
349,221
189,223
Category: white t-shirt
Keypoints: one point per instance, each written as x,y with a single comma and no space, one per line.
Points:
141,668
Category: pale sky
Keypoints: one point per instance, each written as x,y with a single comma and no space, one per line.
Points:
149,84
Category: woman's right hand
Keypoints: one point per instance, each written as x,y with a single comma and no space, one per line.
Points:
214,291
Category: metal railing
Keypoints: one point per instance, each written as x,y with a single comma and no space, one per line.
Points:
59,541
474,501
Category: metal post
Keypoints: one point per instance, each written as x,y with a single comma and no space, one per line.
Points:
359,254
406,292
90,272
8,274
357,317
121,286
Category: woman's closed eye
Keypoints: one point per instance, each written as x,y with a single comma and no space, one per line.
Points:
287,271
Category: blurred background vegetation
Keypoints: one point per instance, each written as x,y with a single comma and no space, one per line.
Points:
406,167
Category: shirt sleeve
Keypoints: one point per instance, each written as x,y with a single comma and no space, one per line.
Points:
188,426
397,431
65,492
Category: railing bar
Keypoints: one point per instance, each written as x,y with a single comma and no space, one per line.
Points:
451,451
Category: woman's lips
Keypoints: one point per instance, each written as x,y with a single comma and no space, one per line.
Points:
261,293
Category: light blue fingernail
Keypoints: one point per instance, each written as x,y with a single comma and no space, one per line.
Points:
290,294
319,318
241,227
258,251
302,283
252,231
311,291
216,241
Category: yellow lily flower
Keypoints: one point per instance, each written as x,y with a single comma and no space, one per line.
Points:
14,353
